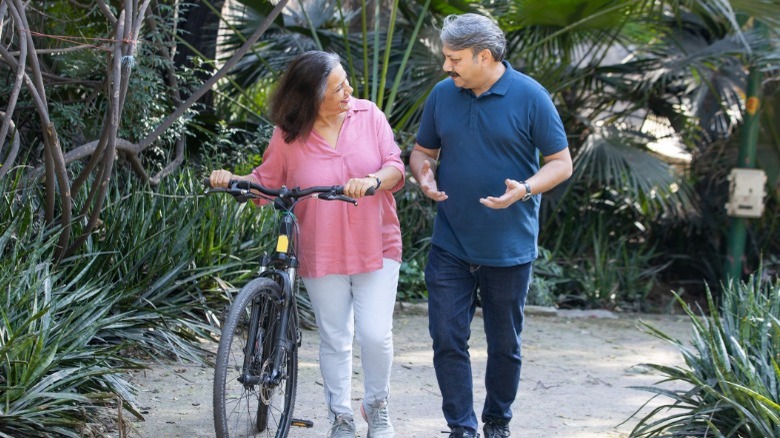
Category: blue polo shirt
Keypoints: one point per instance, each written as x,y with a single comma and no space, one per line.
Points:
485,140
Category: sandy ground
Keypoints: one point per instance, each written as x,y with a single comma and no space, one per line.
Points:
577,370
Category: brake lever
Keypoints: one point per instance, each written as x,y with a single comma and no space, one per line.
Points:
239,193
335,197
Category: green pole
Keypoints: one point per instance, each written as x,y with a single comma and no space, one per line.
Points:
747,159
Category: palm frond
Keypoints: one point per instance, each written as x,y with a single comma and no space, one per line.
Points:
619,159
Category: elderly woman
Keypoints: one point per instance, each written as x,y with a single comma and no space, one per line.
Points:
350,256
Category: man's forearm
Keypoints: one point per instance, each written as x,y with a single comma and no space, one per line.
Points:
556,169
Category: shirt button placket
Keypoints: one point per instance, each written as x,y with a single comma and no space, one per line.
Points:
474,113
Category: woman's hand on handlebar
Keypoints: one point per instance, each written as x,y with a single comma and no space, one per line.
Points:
358,187
220,178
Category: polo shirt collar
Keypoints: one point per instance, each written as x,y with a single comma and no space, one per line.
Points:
502,84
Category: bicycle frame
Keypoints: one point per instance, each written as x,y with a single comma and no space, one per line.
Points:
282,267
256,363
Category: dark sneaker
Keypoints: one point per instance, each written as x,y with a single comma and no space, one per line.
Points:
493,430
462,432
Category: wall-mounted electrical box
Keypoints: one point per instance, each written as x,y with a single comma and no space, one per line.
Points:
746,192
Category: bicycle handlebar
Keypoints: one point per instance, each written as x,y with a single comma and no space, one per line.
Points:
242,190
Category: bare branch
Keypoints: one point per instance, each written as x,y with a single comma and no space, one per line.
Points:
173,165
56,171
8,114
89,148
217,76
10,158
19,66
3,9
138,167
118,82
29,70
62,50
107,12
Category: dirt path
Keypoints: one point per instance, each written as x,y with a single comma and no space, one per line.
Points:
577,368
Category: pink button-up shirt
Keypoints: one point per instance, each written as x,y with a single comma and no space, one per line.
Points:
337,237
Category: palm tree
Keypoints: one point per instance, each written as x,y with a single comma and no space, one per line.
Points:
626,75
378,41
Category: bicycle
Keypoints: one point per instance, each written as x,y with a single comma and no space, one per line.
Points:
256,371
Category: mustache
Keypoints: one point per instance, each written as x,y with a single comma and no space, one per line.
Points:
452,74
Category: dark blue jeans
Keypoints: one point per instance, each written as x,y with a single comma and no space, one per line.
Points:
453,285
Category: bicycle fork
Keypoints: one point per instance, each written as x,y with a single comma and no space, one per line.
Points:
268,367
282,342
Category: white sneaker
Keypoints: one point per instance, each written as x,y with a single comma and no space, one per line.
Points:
378,420
343,427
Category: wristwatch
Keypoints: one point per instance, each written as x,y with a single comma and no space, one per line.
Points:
528,193
378,181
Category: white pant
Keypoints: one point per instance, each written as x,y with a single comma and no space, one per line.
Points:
361,306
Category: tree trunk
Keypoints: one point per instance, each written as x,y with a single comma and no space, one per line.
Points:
199,26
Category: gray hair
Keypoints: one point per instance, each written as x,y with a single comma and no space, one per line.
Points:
475,32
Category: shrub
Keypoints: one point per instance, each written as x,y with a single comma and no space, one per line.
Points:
57,375
547,276
149,281
415,214
732,373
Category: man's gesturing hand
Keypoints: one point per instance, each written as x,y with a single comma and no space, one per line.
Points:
514,192
428,184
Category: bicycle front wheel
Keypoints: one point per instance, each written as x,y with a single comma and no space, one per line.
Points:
252,399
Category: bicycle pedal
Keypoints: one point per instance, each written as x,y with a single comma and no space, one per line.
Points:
302,423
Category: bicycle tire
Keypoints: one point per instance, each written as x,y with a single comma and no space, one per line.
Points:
265,411
254,409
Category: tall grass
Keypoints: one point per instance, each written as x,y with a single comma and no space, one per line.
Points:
732,376
149,283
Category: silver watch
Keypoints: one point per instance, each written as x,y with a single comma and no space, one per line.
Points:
528,193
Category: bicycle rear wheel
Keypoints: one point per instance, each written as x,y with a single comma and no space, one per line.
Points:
257,406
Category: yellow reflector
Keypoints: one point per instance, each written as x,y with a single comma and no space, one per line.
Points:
282,243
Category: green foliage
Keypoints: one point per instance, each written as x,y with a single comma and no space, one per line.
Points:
57,376
613,273
415,214
621,161
174,255
607,254
236,147
732,377
379,47
74,50
151,282
546,279
411,281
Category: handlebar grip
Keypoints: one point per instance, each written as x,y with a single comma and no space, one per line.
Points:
370,191
206,182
